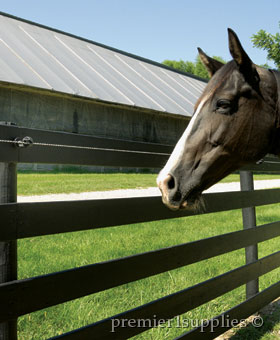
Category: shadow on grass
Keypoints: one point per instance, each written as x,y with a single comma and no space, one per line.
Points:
269,330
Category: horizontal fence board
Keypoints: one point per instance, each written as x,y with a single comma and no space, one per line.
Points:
240,312
175,304
34,293
266,166
91,157
66,138
145,155
44,218
155,154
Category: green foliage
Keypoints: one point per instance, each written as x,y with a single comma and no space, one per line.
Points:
184,66
270,43
196,68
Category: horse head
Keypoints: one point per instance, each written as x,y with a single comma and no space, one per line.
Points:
235,122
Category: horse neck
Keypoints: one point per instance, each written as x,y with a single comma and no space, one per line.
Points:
277,78
276,140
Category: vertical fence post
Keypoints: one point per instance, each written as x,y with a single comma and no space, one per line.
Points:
8,250
249,221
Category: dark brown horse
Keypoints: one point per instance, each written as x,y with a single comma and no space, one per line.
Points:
235,122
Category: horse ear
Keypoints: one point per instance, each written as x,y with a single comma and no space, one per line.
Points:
212,65
245,64
237,51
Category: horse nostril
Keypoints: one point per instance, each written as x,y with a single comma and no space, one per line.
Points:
171,183
170,190
168,183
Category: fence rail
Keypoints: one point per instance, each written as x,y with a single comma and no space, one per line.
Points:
177,303
34,293
70,148
21,220
239,312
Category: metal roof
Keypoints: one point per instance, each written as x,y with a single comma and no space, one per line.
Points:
45,58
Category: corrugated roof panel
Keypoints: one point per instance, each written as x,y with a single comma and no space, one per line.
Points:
174,92
71,72
101,75
143,92
150,84
175,80
184,88
8,74
46,58
148,89
33,57
194,84
25,71
124,78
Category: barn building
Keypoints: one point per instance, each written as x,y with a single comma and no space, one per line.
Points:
53,80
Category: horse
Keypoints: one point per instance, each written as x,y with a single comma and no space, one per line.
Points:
236,121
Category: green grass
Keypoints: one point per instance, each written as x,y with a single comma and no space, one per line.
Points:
43,255
43,183
47,254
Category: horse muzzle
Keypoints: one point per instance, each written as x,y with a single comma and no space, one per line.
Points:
172,196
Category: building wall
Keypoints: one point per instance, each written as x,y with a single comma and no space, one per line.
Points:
51,111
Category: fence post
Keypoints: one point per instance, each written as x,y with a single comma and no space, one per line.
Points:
249,221
8,250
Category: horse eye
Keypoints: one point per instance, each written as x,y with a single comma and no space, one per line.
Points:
223,103
223,106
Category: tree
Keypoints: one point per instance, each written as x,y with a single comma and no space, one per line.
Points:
269,43
196,68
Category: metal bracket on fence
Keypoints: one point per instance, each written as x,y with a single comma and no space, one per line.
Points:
7,123
23,142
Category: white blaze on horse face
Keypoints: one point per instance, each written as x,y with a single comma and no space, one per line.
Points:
178,151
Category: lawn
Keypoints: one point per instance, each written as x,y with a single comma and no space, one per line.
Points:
43,183
52,253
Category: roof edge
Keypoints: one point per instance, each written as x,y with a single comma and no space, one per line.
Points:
48,92
104,46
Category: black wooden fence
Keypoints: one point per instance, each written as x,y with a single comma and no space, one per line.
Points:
20,220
